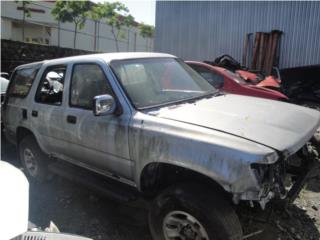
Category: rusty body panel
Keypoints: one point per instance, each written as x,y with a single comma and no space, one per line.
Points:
221,142
206,151
221,137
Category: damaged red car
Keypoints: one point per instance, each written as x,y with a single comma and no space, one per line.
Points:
267,82
235,83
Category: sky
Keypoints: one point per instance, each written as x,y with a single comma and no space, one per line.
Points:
142,10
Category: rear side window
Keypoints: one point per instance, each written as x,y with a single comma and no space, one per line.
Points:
50,89
214,79
22,81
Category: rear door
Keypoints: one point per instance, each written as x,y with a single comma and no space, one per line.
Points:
47,107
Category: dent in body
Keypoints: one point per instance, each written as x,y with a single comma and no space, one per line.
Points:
222,157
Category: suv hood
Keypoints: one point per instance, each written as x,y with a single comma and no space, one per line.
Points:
281,126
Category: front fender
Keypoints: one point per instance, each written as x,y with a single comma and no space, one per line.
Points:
224,158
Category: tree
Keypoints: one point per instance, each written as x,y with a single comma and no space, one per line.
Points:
96,14
26,13
146,31
117,16
72,11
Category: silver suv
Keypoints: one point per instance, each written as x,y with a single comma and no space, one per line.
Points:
149,121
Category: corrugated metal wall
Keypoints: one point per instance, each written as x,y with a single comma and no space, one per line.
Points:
204,30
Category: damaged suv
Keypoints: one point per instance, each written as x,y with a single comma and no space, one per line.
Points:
149,121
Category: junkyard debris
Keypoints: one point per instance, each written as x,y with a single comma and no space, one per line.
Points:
252,234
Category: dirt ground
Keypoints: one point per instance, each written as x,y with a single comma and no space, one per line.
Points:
75,209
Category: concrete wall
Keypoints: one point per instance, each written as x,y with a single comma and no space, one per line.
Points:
6,29
41,25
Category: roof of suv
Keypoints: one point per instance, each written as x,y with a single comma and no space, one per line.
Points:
107,57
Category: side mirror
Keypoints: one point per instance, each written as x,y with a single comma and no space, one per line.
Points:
103,105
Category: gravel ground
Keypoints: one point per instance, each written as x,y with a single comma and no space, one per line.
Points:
75,209
300,221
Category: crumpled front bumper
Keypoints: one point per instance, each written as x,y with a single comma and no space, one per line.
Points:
285,178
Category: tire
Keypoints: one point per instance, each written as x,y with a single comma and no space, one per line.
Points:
212,214
33,160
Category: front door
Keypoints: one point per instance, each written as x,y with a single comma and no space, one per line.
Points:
98,142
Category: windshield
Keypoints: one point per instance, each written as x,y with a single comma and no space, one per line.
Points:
153,82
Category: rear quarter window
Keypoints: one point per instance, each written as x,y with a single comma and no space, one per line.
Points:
22,81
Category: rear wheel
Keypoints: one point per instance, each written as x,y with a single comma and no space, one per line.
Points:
33,160
190,212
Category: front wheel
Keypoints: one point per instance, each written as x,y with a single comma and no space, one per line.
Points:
191,212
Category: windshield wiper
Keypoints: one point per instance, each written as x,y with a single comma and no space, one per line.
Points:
188,100
208,95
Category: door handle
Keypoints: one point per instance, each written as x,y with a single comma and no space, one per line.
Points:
24,114
34,113
71,119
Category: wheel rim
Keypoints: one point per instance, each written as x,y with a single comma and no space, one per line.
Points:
30,162
179,225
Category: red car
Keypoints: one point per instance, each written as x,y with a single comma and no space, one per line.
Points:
228,81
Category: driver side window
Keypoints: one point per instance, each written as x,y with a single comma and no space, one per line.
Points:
50,89
87,81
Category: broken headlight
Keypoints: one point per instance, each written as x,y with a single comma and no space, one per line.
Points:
271,178
271,158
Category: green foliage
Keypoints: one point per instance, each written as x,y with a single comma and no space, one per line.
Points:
97,12
71,11
116,15
146,31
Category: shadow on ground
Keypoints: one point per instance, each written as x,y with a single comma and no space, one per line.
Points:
275,223
314,184
75,209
